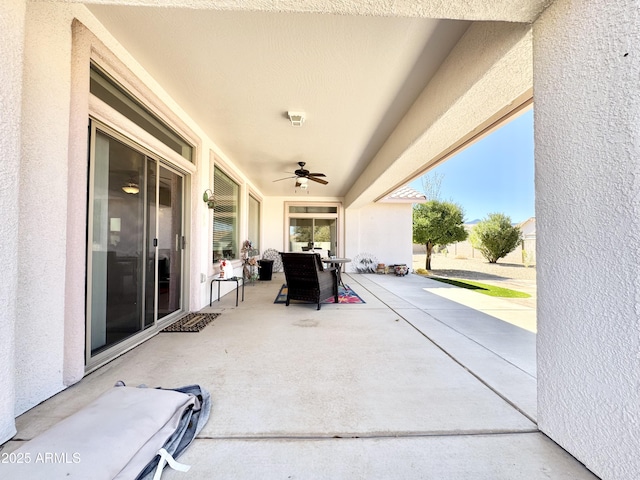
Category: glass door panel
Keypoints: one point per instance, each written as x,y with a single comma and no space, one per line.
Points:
169,250
313,233
300,234
324,234
117,243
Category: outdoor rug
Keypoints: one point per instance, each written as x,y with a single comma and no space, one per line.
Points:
345,295
192,322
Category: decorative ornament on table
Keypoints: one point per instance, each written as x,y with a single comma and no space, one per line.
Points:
226,269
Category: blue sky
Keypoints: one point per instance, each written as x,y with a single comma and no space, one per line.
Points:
494,175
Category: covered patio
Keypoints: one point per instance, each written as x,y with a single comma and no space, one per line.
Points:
410,384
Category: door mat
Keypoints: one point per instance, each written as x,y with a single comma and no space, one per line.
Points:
192,322
345,295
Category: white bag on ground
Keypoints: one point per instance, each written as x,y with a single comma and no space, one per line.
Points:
124,434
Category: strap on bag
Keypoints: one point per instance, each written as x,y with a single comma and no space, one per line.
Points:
166,458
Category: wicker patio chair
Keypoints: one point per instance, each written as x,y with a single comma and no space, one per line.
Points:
307,279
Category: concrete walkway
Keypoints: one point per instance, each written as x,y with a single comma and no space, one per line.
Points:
409,385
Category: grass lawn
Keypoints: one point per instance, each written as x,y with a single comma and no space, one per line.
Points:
490,290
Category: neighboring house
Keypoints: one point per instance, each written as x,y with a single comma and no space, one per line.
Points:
116,117
390,228
528,228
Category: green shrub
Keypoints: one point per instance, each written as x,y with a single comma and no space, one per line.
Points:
495,237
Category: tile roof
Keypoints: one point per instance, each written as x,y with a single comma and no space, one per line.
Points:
405,194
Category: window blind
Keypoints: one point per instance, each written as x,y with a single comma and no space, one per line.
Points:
226,193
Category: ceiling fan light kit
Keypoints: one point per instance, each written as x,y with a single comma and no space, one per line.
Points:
302,176
296,118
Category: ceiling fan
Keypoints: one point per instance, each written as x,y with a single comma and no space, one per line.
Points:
304,173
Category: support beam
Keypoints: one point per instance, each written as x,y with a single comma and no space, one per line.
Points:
488,74
525,11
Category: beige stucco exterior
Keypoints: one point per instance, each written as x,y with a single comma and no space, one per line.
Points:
587,148
12,41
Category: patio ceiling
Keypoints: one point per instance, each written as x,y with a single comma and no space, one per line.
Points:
237,72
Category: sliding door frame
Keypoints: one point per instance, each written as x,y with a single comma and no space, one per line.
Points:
94,361
338,216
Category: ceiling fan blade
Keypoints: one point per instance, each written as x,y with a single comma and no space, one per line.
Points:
316,174
285,178
319,180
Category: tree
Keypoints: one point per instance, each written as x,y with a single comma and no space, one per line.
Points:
495,237
432,185
437,223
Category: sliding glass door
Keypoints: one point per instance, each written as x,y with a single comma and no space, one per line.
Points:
312,233
313,227
135,250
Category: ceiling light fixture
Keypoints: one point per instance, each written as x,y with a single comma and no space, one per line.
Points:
301,183
296,118
131,188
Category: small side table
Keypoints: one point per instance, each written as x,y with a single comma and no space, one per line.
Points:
232,279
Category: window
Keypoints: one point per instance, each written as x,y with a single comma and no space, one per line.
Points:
114,95
254,222
226,193
312,209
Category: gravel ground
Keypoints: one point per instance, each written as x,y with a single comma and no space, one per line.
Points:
474,268
508,275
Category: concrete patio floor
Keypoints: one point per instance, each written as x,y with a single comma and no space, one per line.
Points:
413,384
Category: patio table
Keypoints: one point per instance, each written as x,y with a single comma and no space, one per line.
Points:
338,263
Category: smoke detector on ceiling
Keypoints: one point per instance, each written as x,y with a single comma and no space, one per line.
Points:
297,118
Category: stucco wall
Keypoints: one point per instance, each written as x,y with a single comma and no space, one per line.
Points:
383,230
43,208
12,15
587,137
273,223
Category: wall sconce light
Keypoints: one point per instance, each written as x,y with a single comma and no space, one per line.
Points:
207,197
